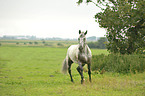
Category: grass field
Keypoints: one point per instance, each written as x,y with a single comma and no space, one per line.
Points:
35,71
37,43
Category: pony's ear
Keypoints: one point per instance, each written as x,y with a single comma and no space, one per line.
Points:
86,32
79,31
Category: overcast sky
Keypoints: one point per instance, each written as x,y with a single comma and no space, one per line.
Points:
48,18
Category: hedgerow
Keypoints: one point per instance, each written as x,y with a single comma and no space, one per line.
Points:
119,63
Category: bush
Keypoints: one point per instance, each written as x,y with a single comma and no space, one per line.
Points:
17,43
100,44
119,63
43,42
93,44
35,42
47,45
59,44
30,42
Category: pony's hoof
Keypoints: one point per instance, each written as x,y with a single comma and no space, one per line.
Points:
72,81
82,81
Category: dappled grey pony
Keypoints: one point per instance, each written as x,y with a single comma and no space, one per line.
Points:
80,54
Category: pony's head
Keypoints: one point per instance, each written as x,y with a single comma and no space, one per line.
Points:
82,39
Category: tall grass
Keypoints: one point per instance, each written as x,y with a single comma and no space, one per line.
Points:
119,63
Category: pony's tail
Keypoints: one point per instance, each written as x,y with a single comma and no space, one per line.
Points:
65,66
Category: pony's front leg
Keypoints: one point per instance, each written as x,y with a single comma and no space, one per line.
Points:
80,70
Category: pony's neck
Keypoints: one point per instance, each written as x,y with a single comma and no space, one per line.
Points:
83,50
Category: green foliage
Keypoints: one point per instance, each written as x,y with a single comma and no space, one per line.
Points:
43,42
30,42
59,44
46,44
119,63
25,43
17,43
36,42
125,24
100,44
92,38
93,44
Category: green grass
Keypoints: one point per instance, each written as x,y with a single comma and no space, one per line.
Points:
35,71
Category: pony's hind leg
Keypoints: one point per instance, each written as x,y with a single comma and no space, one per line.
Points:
89,71
69,69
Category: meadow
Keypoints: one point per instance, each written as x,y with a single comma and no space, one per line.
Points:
36,71
37,43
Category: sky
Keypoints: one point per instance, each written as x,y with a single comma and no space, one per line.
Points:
48,18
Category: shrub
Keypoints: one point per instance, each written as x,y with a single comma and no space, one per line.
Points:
119,63
46,44
43,42
30,42
59,44
17,43
35,42
93,44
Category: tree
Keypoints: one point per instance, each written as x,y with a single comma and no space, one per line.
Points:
101,42
43,42
92,38
59,44
36,42
17,43
30,42
125,24
93,44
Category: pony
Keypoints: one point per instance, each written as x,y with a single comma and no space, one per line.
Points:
80,54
